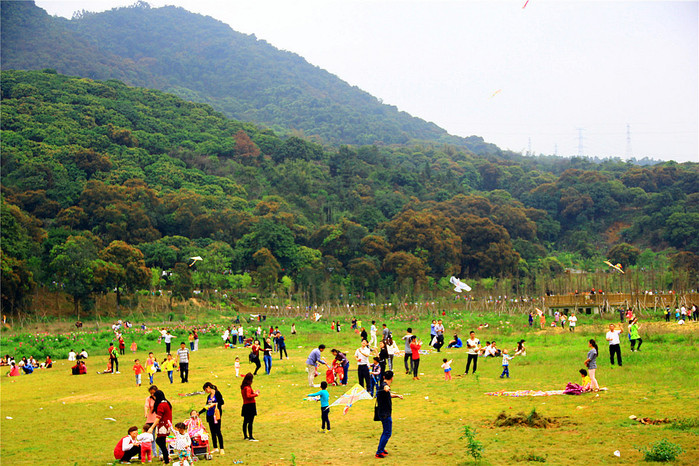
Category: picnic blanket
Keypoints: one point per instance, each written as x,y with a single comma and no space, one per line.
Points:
571,389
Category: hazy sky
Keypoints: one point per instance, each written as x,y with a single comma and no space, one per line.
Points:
562,68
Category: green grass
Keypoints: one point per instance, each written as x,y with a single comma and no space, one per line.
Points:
60,419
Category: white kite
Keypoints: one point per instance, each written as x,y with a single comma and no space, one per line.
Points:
195,259
459,286
355,393
317,316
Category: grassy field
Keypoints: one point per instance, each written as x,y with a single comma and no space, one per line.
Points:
53,417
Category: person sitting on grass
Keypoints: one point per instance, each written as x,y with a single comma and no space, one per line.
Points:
128,446
79,368
586,382
455,343
14,371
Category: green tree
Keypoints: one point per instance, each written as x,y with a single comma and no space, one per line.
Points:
128,273
73,263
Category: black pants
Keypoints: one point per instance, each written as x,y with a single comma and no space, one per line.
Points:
256,361
167,348
115,364
162,444
247,426
615,349
324,419
282,349
184,372
363,374
439,343
122,351
474,358
416,364
633,343
406,358
131,452
215,431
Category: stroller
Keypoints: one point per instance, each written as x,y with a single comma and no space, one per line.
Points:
200,444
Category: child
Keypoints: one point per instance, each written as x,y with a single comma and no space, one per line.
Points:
183,444
146,440
586,381
134,346
375,375
339,372
324,405
237,366
447,368
151,367
138,370
505,364
169,366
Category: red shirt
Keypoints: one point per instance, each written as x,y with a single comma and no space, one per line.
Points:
164,411
415,348
138,369
248,395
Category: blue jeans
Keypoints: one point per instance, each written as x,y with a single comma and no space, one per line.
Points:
344,376
505,372
169,375
268,363
386,434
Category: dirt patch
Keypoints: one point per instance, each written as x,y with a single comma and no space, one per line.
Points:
532,419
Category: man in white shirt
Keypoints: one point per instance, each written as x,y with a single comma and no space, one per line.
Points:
614,344
572,322
168,340
362,355
439,335
241,335
474,347
183,354
373,342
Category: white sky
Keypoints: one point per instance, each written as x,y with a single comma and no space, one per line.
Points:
561,66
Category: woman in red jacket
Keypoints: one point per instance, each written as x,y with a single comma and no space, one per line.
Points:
163,418
249,410
415,346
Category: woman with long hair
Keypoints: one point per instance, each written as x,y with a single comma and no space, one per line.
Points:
249,410
591,364
255,355
163,418
214,410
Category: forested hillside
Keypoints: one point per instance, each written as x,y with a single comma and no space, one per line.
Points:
204,60
106,186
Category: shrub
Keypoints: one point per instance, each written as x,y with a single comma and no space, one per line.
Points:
475,448
663,450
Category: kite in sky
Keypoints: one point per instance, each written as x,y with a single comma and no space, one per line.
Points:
459,286
195,259
616,267
525,4
355,393
496,93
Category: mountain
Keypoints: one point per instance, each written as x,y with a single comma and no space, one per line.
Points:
203,60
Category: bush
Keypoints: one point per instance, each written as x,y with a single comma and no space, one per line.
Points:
664,450
475,448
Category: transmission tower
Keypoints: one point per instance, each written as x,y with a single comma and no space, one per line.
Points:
580,142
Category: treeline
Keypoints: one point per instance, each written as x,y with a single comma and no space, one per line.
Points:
108,187
204,60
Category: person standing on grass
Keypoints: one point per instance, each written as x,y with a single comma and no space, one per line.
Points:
281,344
167,338
183,355
249,410
591,364
190,337
168,366
314,358
255,355
362,355
384,411
634,336
439,335
163,418
415,346
214,410
572,321
151,417
341,358
138,370
408,352
474,347
196,340
433,332
324,405
113,358
268,355
614,344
